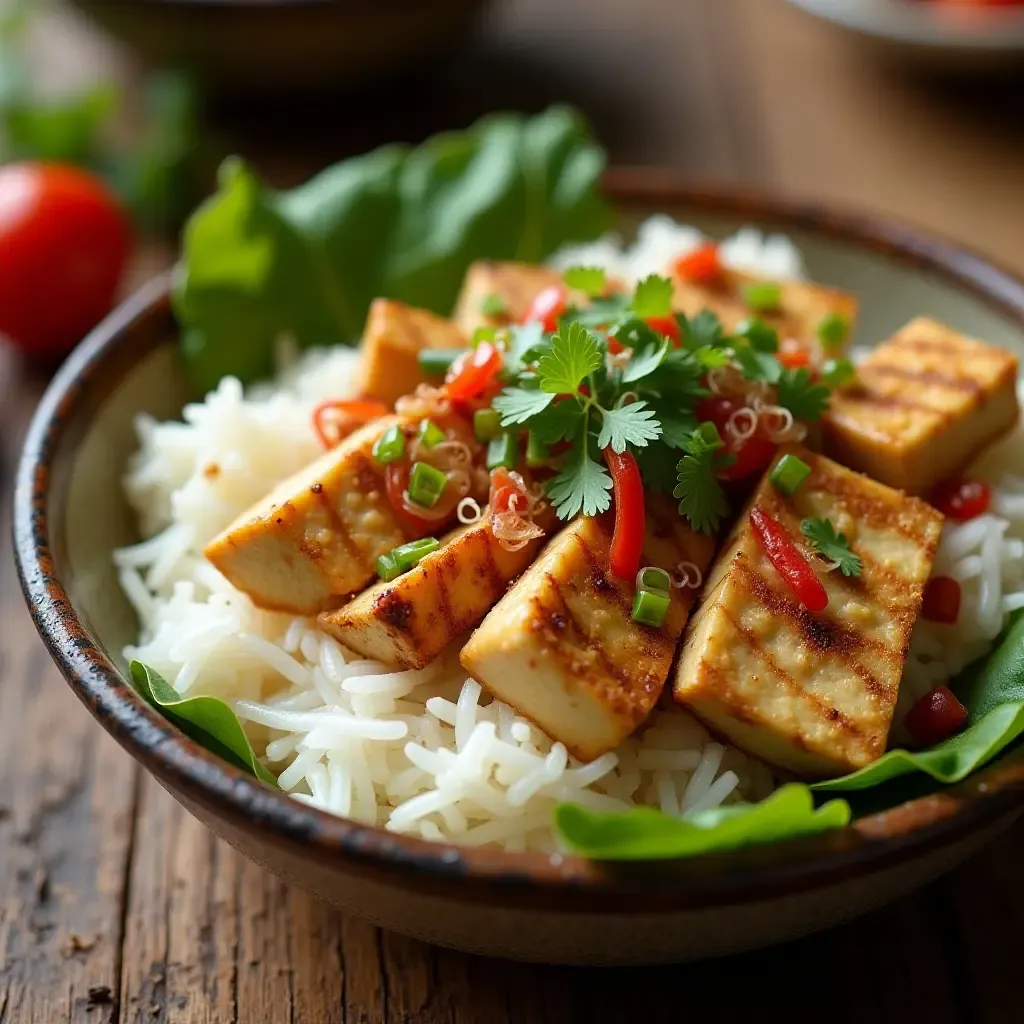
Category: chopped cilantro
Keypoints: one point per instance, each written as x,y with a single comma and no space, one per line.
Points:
704,330
574,354
493,306
824,539
517,405
634,424
701,498
644,363
799,393
586,279
653,297
582,486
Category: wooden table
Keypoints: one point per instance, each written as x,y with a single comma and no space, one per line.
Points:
115,905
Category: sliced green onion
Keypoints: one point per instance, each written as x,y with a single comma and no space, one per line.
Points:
430,434
837,372
387,567
789,474
390,446
760,336
503,451
650,607
482,334
833,330
650,577
426,484
709,434
407,556
486,424
762,296
493,305
537,453
436,362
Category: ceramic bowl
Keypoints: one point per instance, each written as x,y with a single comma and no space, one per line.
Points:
944,35
266,46
70,515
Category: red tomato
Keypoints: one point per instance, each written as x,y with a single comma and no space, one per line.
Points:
667,325
789,563
962,499
752,453
702,266
64,242
547,306
941,600
936,716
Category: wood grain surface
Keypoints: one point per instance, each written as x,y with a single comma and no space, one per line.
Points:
116,905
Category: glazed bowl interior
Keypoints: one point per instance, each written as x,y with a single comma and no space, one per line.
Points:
71,513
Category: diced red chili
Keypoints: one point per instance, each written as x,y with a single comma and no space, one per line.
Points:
615,346
788,561
628,537
962,499
941,600
702,265
334,420
473,373
547,306
793,356
751,453
935,717
667,325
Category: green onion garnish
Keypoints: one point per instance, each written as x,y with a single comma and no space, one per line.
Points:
387,567
390,446
762,296
759,335
789,474
493,306
436,362
503,451
837,372
832,331
430,434
650,607
405,557
709,434
650,577
486,424
537,453
426,484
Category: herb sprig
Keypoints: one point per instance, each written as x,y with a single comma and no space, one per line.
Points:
826,541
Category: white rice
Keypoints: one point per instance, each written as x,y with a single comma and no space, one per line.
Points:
428,752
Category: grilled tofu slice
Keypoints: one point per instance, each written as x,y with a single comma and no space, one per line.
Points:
394,336
411,620
561,646
923,406
802,305
317,535
514,284
812,693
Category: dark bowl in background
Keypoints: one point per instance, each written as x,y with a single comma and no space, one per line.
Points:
285,45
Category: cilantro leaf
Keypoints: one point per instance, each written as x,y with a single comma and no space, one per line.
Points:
757,365
653,297
824,539
602,313
798,393
705,329
678,377
493,305
586,279
574,354
761,337
677,422
526,344
583,485
559,422
634,333
710,357
644,363
702,500
630,424
517,405
657,463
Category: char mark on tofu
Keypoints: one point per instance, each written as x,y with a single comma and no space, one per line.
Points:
410,621
924,404
811,692
562,648
394,336
317,535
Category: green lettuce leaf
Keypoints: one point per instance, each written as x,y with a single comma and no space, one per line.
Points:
646,834
397,222
207,720
992,690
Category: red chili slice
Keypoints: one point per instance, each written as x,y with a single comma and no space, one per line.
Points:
962,499
667,325
472,373
547,306
702,266
793,356
334,420
628,538
941,600
788,561
935,717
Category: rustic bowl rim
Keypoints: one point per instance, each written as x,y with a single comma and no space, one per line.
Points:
562,883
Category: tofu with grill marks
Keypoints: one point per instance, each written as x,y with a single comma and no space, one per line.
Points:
316,537
394,336
811,693
409,621
561,646
802,305
923,406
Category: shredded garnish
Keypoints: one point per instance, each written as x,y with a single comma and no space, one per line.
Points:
742,424
469,511
688,576
426,402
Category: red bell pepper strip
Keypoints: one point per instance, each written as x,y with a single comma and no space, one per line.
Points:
628,537
936,716
788,561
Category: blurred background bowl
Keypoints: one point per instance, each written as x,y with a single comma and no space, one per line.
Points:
938,33
294,45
